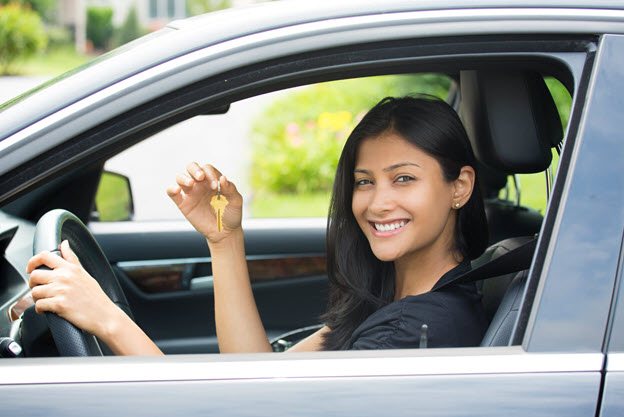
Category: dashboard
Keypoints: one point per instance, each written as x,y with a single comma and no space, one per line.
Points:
16,237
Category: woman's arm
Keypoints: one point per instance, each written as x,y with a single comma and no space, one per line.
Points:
69,291
239,328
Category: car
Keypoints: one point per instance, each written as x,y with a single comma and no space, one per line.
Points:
556,345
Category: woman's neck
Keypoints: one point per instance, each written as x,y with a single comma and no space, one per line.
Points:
417,273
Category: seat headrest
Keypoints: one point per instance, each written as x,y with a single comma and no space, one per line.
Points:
511,119
492,180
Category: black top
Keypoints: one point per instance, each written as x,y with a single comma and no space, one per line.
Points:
453,314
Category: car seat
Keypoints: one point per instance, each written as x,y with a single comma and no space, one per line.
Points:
512,123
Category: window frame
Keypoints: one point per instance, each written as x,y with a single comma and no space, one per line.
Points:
552,53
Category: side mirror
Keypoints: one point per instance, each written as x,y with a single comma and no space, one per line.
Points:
113,199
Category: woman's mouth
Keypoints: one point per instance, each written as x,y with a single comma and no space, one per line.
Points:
387,229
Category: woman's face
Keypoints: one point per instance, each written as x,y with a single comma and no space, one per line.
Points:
401,200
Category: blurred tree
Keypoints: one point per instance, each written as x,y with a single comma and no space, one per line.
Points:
100,26
195,7
130,29
45,8
21,34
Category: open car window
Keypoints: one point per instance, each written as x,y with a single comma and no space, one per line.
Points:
280,149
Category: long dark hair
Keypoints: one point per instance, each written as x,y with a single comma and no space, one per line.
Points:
359,282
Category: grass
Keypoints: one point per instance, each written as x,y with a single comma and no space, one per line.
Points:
269,205
53,62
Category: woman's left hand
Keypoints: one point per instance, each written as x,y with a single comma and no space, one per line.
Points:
69,291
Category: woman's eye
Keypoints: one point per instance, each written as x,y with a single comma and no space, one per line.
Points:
362,182
405,178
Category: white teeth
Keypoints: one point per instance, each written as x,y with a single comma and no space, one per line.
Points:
389,227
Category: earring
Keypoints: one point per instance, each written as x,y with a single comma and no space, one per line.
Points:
456,205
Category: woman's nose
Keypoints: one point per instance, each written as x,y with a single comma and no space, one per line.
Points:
382,200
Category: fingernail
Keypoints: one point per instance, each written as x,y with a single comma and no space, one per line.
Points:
198,174
214,185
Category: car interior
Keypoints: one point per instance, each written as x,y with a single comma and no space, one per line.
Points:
513,125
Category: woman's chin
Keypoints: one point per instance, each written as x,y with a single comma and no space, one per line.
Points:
385,255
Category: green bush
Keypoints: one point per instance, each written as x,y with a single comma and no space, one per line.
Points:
130,29
21,34
44,8
195,7
59,37
297,140
100,26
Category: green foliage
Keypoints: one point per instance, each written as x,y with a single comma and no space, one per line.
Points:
44,8
290,205
130,29
100,26
59,37
21,34
54,62
562,98
195,7
297,141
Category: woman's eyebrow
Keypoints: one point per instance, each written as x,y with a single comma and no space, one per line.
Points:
399,165
387,169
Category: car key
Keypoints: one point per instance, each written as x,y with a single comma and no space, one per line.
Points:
218,203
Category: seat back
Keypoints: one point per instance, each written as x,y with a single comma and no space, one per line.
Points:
501,328
513,124
494,289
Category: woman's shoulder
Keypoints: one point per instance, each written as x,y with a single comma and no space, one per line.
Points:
454,317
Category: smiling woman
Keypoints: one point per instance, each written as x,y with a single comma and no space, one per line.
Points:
408,171
406,213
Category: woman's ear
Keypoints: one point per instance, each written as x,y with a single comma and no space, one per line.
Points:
463,186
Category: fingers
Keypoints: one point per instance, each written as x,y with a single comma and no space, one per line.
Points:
196,174
213,175
184,182
51,304
44,258
228,188
40,277
195,171
42,291
68,254
45,304
174,192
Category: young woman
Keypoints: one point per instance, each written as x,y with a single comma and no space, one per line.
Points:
406,216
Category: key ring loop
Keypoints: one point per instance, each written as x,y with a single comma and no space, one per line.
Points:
219,189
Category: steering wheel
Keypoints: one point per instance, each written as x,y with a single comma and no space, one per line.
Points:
54,227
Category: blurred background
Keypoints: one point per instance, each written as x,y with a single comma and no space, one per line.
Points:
281,149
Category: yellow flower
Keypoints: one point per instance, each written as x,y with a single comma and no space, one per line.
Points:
334,121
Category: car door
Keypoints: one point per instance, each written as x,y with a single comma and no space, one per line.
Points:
166,275
556,362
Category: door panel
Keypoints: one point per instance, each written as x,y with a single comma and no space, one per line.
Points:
571,394
171,293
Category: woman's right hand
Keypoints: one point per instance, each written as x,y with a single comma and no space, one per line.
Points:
193,193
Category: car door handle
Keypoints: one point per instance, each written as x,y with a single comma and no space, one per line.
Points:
201,283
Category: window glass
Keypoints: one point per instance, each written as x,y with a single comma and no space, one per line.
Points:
171,9
280,149
616,342
153,8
